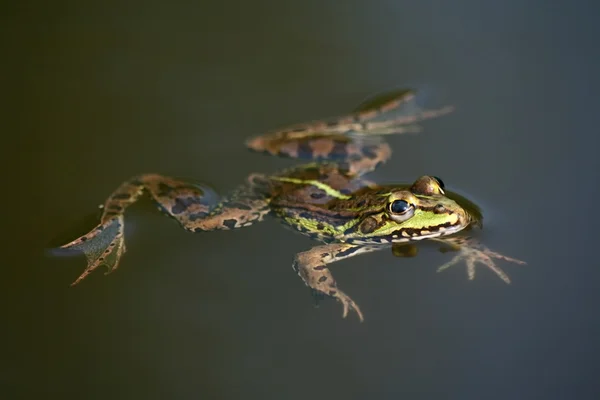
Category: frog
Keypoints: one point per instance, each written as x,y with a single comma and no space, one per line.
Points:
326,197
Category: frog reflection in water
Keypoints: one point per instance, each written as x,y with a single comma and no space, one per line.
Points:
326,199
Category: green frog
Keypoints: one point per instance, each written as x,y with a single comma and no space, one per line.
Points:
327,199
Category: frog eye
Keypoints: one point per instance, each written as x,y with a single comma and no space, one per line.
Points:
440,182
401,210
399,207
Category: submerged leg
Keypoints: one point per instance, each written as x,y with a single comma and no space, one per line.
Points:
355,140
473,252
404,250
311,265
377,116
194,207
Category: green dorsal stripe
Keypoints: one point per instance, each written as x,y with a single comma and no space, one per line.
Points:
326,188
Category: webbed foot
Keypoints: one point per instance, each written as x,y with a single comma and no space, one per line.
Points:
473,252
103,245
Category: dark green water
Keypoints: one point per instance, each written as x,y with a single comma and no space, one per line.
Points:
99,93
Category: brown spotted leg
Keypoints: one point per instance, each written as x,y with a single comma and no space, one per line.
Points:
357,156
353,141
194,207
311,265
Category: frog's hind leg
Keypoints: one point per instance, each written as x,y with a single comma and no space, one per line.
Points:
353,141
393,112
311,265
357,155
195,208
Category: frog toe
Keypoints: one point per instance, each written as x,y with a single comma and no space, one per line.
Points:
349,305
473,253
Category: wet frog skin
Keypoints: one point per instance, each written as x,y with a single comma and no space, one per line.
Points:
327,199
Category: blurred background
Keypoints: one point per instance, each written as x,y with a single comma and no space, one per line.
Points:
97,92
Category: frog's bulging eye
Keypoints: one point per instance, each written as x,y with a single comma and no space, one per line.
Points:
401,210
440,182
399,207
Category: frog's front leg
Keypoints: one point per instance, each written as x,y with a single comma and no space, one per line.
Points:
194,207
311,265
473,252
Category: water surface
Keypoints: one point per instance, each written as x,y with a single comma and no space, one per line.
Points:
105,92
